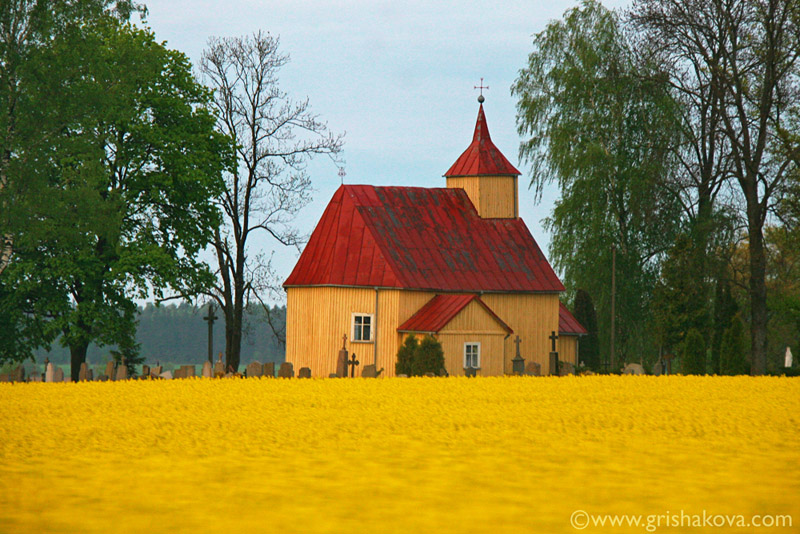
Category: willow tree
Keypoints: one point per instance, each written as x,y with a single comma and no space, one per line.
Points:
601,130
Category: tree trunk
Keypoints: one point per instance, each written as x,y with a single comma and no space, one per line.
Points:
758,289
77,356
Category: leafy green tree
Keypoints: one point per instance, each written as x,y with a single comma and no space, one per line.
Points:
733,353
598,123
588,346
130,185
680,302
694,353
752,47
32,118
428,357
405,356
725,310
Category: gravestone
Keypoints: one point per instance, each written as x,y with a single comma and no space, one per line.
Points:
58,375
207,372
658,368
554,364
49,372
83,374
341,363
178,373
110,369
565,368
122,371
90,375
156,371
286,370
370,372
219,367
269,369
305,372
633,369
533,369
255,369
145,371
187,371
166,375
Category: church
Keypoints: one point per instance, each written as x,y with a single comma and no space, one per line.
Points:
456,262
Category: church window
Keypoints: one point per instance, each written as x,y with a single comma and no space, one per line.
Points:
472,354
362,327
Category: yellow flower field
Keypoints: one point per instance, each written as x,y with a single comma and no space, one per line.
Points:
396,455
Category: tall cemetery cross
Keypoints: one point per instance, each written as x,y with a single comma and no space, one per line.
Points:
518,362
352,363
210,318
517,341
553,338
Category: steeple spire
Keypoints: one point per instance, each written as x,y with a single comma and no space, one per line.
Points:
484,173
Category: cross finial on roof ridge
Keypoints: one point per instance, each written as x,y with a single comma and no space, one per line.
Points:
481,87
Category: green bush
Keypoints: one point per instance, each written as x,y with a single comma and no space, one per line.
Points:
428,357
694,353
406,355
733,352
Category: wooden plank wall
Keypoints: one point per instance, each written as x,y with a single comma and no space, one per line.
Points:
532,317
493,196
568,349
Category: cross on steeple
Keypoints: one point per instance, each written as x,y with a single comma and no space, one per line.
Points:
481,87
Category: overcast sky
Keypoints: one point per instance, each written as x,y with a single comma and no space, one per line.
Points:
397,77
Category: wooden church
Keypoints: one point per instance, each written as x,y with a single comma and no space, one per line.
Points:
455,262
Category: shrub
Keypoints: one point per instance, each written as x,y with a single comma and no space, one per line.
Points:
733,352
694,353
428,357
406,355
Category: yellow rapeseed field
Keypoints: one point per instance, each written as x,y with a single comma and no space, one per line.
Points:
396,455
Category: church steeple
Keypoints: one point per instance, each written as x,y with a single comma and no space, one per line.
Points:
488,178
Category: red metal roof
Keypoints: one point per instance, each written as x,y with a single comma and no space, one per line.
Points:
440,310
420,238
568,324
481,157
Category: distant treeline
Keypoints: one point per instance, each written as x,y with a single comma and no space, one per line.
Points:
178,334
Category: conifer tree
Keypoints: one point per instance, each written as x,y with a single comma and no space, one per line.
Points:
406,355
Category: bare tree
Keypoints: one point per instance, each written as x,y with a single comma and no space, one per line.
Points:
275,137
750,49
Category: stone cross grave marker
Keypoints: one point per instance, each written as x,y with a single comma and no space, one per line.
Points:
352,363
341,361
58,375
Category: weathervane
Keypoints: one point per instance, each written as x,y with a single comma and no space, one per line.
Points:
481,87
